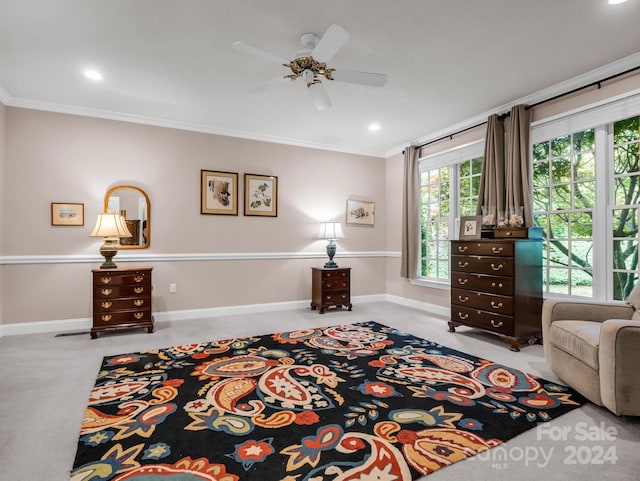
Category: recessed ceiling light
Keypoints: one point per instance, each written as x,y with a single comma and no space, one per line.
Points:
374,127
93,74
615,2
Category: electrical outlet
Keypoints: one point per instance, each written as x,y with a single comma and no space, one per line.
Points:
173,287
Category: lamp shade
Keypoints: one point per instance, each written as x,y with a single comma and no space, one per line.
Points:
330,230
110,225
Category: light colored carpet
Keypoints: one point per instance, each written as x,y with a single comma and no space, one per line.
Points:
46,380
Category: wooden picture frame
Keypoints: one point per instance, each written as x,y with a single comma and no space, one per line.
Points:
67,213
470,227
361,212
218,192
261,195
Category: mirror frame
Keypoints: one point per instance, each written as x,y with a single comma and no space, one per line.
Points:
147,230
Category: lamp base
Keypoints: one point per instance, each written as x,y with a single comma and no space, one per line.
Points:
108,250
331,251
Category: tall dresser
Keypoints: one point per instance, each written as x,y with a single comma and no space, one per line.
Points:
496,286
121,299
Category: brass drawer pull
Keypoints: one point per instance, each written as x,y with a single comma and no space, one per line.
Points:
344,274
498,267
462,248
138,290
329,298
105,280
106,292
138,315
106,317
463,281
139,278
496,306
493,284
138,302
463,299
463,316
328,284
106,304
462,264
496,250
496,324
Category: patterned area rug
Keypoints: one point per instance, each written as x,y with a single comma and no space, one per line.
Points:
353,402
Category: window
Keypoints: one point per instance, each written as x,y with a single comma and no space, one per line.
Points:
449,185
586,197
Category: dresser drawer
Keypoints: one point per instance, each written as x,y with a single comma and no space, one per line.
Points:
335,298
335,284
121,317
481,300
483,265
482,282
501,249
337,274
485,320
113,292
106,305
134,278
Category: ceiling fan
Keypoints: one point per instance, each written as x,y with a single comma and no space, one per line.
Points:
310,64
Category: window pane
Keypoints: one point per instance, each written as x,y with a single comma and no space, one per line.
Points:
584,195
541,173
561,146
625,254
585,167
560,170
627,189
541,151
626,130
559,281
541,199
581,225
625,222
581,253
623,283
561,197
625,158
465,168
584,141
476,166
559,252
559,226
581,283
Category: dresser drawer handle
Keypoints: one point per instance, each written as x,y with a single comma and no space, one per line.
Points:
329,298
344,274
106,317
496,250
463,316
105,280
462,248
498,267
462,264
328,284
138,290
509,233
463,299
496,324
344,296
463,281
139,278
106,292
138,302
106,304
496,306
493,284
138,315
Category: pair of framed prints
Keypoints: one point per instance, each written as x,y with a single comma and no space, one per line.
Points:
219,194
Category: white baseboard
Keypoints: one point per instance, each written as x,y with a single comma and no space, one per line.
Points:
84,324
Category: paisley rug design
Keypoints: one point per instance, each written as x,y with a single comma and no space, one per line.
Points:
351,402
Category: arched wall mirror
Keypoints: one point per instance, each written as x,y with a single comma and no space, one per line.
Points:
133,204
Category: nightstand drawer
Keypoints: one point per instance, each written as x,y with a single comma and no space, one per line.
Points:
104,305
335,274
121,317
133,278
335,284
335,298
113,292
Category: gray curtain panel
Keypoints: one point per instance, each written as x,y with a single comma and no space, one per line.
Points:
518,162
410,215
492,191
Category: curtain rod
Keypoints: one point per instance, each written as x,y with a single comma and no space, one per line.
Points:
597,83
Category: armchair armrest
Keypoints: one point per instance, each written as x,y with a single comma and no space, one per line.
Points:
554,310
619,356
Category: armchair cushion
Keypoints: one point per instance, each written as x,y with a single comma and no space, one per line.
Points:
578,338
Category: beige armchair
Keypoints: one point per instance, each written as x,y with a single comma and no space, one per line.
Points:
595,348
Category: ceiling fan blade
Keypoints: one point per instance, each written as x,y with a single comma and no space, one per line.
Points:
270,84
332,41
365,78
319,96
258,52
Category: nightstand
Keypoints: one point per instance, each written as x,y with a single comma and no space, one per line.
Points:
330,287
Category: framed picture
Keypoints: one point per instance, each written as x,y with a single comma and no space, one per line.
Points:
470,227
67,213
218,192
261,195
361,212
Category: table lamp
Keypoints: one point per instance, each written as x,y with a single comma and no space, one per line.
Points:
111,227
331,231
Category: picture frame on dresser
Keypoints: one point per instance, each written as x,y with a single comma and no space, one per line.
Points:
218,192
470,227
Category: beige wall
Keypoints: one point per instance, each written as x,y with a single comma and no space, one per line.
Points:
51,157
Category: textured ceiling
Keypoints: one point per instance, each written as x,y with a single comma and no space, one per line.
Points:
170,62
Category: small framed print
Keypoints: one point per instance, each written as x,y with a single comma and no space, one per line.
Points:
218,192
261,195
361,212
470,227
65,213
